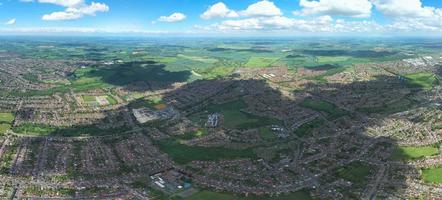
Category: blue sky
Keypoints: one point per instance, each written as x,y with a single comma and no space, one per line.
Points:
263,17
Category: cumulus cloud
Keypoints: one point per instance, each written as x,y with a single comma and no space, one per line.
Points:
262,9
320,24
74,9
408,8
64,3
351,8
218,10
77,12
11,22
175,17
410,15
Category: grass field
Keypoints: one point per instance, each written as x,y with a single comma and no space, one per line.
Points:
308,127
422,80
151,102
319,105
4,128
6,120
234,118
182,153
34,129
267,134
211,195
432,175
355,172
89,99
411,153
332,59
260,61
192,135
87,130
111,100
395,107
6,117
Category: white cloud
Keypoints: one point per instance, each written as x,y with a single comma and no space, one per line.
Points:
351,8
219,10
90,9
175,17
11,22
262,9
75,11
401,8
55,16
321,24
410,15
64,3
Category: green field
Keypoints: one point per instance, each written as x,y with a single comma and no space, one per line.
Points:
432,175
319,105
422,80
182,153
234,118
355,172
34,129
45,130
308,127
394,107
6,120
260,61
89,99
6,117
193,134
4,128
267,134
111,100
412,153
332,59
150,102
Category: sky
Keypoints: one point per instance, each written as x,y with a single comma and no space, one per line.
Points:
225,17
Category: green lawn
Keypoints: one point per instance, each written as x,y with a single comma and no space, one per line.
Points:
182,153
432,175
332,110
6,117
422,80
411,153
355,172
